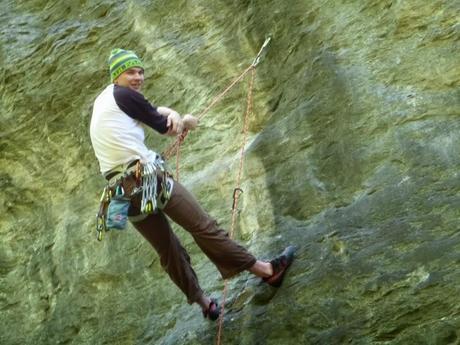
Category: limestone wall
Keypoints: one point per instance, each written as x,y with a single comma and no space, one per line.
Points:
353,155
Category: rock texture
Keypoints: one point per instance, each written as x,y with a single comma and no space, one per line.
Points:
353,155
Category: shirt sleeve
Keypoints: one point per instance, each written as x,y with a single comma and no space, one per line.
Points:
136,106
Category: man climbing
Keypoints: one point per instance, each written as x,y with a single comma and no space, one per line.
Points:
138,175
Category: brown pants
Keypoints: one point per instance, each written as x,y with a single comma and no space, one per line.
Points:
229,257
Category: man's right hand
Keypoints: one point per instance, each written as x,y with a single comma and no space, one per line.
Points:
174,123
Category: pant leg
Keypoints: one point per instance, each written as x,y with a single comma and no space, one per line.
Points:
229,257
173,257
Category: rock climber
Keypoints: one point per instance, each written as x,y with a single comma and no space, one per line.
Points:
117,136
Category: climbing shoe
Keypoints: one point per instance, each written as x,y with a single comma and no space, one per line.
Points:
280,265
213,310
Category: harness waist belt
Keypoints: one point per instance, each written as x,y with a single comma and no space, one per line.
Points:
119,169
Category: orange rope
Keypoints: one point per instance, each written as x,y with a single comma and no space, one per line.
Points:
180,140
249,104
174,148
223,93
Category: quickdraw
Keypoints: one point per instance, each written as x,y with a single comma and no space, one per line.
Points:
149,188
101,225
261,51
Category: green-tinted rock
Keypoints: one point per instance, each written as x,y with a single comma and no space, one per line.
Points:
353,155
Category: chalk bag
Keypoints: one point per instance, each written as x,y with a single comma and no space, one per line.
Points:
117,213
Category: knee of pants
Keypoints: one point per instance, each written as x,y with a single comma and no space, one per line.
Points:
173,256
208,225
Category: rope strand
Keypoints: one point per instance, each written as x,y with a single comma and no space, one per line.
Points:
180,139
249,105
175,148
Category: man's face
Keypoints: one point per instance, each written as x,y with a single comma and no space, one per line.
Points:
132,78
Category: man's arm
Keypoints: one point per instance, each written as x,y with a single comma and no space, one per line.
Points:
136,106
163,119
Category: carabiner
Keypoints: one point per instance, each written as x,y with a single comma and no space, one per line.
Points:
259,55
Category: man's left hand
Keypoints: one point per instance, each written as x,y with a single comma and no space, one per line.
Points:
190,121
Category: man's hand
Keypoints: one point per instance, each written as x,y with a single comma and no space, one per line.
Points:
174,123
190,121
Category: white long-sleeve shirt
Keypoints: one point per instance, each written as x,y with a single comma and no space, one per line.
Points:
116,132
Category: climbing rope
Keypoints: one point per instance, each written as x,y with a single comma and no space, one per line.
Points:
175,148
249,106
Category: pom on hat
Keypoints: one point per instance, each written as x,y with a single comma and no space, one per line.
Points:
121,60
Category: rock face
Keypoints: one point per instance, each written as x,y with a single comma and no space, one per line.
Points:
353,155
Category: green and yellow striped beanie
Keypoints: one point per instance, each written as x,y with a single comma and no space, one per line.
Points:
121,60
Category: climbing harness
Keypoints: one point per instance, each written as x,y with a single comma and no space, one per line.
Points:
152,180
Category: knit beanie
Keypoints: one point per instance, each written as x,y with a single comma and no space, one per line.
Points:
121,60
